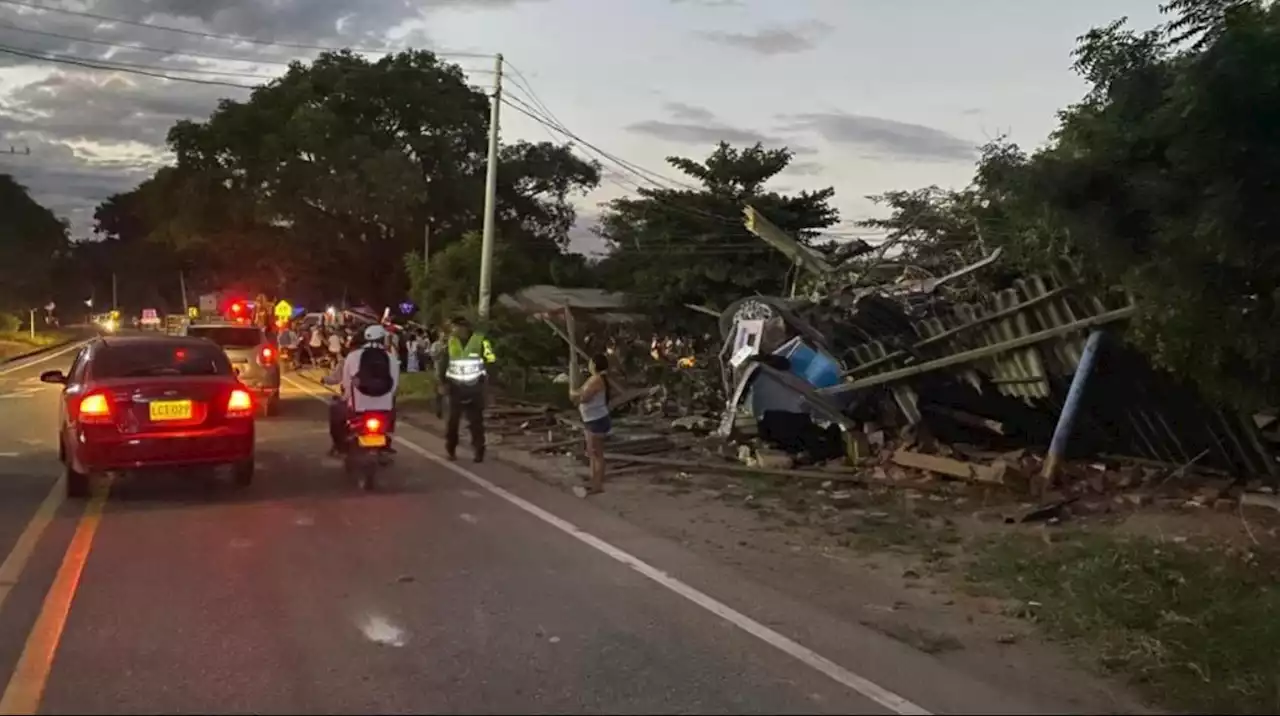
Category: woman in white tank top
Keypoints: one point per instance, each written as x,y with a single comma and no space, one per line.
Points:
593,404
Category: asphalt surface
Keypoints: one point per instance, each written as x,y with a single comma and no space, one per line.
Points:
485,592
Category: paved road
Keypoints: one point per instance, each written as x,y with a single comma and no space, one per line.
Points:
468,589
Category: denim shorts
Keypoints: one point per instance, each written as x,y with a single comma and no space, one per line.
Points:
599,426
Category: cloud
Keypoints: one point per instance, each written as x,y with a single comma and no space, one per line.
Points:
688,133
886,137
688,112
709,3
690,124
806,169
775,40
93,133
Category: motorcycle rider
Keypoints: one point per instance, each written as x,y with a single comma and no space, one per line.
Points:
463,373
369,377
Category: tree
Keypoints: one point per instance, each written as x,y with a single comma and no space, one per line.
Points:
32,239
689,245
1161,180
356,158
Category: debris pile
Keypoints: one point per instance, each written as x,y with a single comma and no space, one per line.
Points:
909,383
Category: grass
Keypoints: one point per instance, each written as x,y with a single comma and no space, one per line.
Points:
1195,630
13,343
416,387
42,338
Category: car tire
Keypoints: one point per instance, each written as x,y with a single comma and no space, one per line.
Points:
77,482
243,472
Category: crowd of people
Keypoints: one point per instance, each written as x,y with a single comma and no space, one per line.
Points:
460,357
325,345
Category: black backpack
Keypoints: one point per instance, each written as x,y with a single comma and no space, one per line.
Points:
373,377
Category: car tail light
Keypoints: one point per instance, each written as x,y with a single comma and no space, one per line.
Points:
373,425
267,355
239,404
94,408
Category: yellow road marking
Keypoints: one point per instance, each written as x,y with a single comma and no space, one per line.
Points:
26,686
14,564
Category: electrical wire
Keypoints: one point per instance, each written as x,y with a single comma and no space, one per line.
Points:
140,48
127,70
151,68
211,35
168,53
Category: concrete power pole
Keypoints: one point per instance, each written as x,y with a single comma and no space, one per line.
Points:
490,194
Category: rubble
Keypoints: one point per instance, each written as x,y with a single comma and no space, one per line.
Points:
934,381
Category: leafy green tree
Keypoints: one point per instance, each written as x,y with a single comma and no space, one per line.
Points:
356,157
32,239
676,246
1161,180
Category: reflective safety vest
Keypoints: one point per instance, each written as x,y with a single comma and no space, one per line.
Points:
467,363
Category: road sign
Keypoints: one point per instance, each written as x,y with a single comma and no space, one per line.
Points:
284,311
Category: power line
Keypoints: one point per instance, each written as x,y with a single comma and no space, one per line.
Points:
171,53
152,68
645,174
211,35
141,48
126,70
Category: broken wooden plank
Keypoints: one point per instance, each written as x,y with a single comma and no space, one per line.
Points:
557,445
966,418
991,474
977,354
695,466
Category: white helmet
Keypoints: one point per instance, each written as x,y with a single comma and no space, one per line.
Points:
375,334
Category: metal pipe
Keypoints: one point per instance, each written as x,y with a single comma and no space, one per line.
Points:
1067,419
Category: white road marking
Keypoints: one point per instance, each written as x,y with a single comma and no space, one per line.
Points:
17,395
380,630
472,494
9,454
867,688
41,359
304,520
469,518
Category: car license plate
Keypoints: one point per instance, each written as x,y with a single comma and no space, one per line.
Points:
372,440
163,410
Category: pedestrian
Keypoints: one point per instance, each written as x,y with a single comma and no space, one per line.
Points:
335,347
593,405
463,372
413,352
315,346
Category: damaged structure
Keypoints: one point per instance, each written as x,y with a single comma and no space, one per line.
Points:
835,372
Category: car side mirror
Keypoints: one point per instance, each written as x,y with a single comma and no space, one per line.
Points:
53,376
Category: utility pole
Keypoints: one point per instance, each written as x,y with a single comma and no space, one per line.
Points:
182,284
115,303
490,193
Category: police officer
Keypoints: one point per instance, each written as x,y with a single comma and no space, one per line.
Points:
463,372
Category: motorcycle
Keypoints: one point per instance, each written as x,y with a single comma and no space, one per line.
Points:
366,451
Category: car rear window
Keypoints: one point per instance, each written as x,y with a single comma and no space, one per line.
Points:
140,360
228,336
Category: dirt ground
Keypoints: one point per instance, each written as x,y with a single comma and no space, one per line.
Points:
899,562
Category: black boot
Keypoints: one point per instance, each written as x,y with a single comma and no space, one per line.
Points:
479,454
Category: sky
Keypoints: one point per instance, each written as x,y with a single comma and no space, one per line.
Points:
871,95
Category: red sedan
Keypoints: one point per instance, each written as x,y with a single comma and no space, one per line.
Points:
133,402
